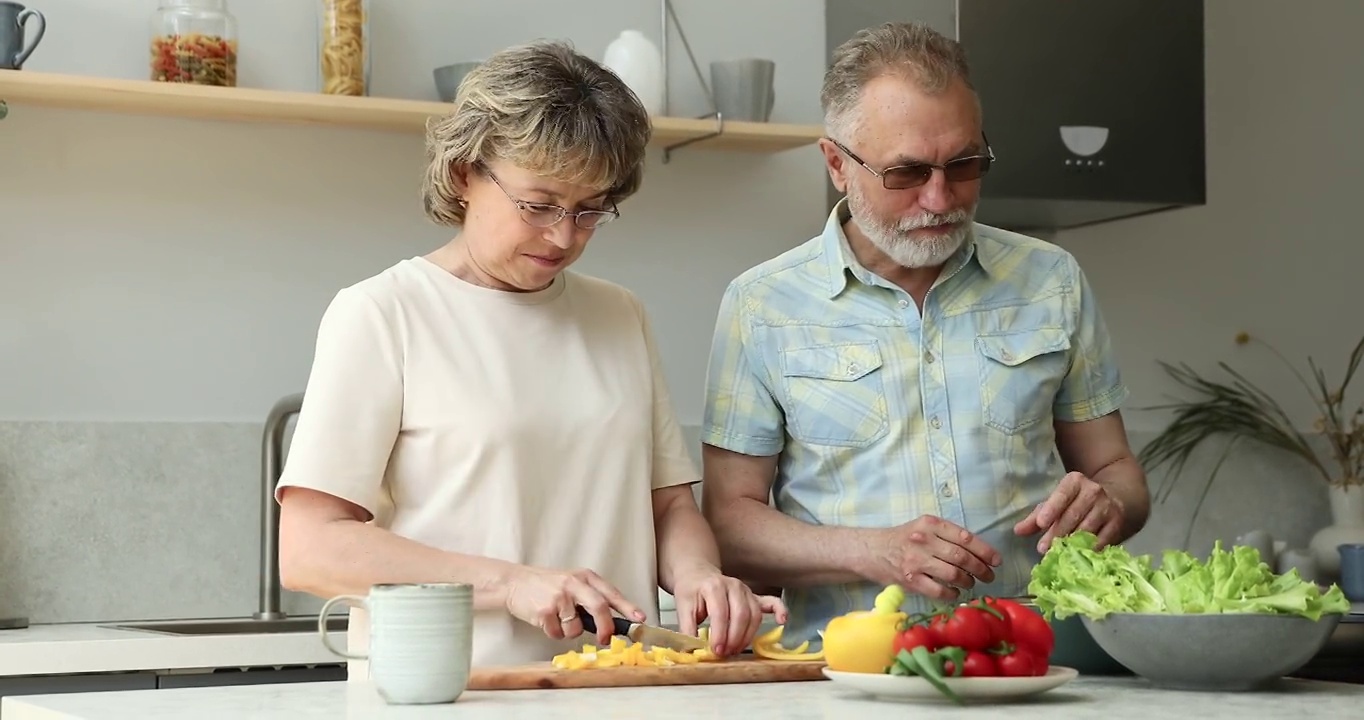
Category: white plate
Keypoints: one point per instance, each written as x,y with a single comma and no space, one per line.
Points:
901,687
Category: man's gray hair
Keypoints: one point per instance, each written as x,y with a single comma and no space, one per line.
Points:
913,50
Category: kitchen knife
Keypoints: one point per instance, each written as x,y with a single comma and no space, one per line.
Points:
646,634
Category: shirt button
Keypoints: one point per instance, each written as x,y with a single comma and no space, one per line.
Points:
928,355
1006,355
904,304
947,491
852,369
935,422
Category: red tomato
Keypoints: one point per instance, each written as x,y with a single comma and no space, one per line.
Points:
915,636
965,627
1018,663
976,664
1001,627
1030,631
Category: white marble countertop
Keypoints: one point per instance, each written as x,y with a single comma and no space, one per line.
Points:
1086,697
61,649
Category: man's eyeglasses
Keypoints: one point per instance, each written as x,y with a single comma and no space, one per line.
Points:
904,177
543,215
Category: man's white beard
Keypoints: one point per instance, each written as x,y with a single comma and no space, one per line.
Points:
893,237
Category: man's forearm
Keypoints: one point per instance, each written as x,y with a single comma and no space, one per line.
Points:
1125,482
761,544
684,539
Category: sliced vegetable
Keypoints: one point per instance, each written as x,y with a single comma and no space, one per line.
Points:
768,645
624,654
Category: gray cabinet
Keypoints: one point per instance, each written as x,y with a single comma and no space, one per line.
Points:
1129,73
58,684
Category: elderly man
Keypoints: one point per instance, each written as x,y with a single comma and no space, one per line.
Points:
929,401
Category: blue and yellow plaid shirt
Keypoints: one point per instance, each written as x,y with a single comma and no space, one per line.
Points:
881,415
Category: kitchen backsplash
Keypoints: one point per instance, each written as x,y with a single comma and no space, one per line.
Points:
122,521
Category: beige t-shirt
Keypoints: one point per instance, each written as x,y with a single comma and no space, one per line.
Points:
529,427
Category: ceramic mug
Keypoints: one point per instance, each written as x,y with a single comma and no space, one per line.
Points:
743,88
1352,571
420,640
14,20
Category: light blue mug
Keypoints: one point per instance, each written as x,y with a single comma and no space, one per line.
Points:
14,20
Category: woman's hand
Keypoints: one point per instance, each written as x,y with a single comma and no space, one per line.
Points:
548,599
735,613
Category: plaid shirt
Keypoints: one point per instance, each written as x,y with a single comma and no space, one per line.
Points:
881,414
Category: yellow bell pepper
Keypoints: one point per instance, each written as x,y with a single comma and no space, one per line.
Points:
863,641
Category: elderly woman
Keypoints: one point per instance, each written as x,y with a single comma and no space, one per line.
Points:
483,415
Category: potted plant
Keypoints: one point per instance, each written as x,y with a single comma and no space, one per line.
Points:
1239,410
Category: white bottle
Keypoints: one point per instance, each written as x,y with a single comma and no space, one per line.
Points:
639,63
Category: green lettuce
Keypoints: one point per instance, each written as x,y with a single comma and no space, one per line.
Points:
1075,579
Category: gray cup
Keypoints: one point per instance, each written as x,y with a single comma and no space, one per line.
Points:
1352,571
448,78
13,21
743,88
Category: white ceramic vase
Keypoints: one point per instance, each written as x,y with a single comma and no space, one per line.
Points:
638,62
1347,526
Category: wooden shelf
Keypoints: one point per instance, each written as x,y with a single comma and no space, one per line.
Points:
143,97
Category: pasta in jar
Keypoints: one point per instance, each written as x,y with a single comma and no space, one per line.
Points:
344,47
194,58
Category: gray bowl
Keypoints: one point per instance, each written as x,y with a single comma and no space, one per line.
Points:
1227,652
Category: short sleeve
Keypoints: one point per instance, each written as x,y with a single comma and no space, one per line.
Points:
352,405
672,465
1093,387
741,414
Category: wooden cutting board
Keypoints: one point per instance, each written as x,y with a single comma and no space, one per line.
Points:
740,669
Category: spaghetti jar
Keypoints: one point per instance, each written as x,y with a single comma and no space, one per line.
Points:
344,47
194,41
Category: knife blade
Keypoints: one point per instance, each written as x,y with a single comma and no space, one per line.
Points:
641,633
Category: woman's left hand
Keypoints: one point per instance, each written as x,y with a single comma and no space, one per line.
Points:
735,613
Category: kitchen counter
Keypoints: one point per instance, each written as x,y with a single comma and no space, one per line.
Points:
76,648
1085,697
61,649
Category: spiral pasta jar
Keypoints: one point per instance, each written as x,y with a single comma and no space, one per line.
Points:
194,41
344,47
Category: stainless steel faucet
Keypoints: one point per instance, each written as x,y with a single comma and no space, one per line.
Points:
271,467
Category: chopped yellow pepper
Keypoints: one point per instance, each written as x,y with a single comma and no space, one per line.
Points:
625,654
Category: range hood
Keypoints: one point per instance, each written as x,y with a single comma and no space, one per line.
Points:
1094,109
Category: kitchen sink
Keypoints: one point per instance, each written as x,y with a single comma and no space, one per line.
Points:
234,626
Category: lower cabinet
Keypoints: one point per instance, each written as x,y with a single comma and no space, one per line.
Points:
151,680
253,676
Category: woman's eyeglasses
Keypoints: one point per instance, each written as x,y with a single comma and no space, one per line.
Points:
543,215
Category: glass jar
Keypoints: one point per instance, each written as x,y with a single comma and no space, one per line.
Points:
194,41
343,49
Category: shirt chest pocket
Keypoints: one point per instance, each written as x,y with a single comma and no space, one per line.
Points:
1020,374
835,394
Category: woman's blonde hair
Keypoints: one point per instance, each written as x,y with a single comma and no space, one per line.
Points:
543,107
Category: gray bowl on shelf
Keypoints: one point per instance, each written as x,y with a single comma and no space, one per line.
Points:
1221,652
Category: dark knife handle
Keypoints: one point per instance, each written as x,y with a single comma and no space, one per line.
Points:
620,626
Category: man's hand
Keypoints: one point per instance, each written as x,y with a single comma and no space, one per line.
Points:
1077,503
932,557
735,612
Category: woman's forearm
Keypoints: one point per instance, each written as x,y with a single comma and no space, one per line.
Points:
346,557
684,538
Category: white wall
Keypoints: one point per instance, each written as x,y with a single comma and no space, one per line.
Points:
137,284
179,299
